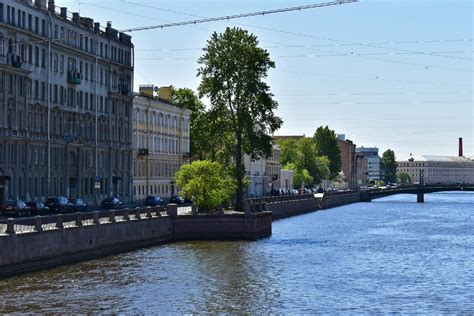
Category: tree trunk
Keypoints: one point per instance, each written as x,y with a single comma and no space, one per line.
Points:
239,205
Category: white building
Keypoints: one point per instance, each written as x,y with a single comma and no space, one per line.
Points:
286,179
161,143
263,174
438,169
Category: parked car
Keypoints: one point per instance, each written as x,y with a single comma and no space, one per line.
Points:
111,203
15,208
79,205
60,204
38,208
177,200
153,201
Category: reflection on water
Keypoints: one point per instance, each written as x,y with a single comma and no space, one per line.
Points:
392,255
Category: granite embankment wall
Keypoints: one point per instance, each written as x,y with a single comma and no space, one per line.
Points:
287,206
234,226
27,246
33,244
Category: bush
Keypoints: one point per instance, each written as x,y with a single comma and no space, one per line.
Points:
206,183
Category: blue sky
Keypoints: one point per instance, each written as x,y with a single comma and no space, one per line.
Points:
392,74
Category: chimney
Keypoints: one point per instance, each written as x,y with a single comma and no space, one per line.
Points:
51,6
76,17
460,147
165,93
40,4
146,91
97,27
64,13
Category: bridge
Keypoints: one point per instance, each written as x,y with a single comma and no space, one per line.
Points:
419,190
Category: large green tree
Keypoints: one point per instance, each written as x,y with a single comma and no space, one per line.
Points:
326,145
389,166
289,151
232,70
207,183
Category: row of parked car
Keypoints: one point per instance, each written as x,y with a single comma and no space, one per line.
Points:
63,205
283,192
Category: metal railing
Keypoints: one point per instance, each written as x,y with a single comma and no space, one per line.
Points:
64,221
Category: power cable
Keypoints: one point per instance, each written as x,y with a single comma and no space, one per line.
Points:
370,103
373,93
343,42
239,16
376,78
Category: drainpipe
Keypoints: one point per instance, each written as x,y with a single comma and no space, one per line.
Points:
96,120
147,126
48,89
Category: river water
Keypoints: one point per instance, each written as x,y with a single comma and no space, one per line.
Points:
391,255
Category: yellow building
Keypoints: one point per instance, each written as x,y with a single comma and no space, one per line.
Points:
160,142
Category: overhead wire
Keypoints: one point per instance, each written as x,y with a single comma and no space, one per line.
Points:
353,43
344,42
238,16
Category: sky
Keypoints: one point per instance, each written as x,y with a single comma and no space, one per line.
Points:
391,74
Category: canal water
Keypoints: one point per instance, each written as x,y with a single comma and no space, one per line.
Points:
391,255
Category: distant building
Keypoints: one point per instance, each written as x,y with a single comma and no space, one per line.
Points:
438,169
371,162
348,159
287,179
160,143
263,174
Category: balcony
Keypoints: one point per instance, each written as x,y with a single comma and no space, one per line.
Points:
74,77
142,151
124,90
15,61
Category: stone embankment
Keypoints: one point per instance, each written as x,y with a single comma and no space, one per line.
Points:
33,244
43,242
287,206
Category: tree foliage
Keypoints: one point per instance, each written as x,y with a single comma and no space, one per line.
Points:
206,140
288,151
302,156
326,145
207,183
232,70
389,166
403,178
300,176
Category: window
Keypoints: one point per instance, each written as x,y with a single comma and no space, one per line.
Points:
55,62
43,58
61,64
43,27
3,46
37,58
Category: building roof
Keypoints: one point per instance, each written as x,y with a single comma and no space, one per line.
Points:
440,158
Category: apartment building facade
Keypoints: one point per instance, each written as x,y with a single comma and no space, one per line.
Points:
348,160
66,104
161,143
